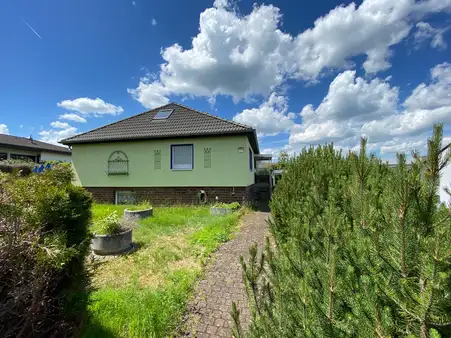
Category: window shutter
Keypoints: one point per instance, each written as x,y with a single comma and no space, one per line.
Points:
207,157
157,159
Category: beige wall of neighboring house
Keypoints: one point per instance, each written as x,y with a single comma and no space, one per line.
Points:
445,181
46,156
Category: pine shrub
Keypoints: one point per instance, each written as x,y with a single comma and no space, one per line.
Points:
358,249
44,223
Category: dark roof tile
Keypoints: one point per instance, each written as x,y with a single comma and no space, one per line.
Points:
183,121
28,143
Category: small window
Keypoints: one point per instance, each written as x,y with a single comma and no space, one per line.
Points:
3,156
157,159
207,157
125,197
182,157
163,114
251,160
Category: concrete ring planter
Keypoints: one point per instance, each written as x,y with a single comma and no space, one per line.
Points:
112,244
138,214
220,211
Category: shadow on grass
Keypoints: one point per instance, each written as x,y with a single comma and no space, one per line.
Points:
95,330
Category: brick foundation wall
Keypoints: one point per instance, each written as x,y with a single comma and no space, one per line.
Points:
172,195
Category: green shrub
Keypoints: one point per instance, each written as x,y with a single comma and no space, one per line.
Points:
361,250
22,168
230,206
108,225
44,237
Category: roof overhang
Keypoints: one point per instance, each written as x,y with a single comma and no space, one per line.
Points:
251,135
263,157
14,146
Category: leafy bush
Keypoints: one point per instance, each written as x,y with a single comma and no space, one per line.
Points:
361,249
230,206
108,225
44,236
112,224
23,168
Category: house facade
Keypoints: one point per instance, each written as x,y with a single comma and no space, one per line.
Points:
172,154
22,148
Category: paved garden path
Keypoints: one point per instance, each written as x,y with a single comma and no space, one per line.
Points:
209,310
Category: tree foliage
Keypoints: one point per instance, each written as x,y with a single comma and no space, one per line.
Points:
359,249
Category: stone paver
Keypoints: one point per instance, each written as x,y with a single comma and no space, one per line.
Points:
209,310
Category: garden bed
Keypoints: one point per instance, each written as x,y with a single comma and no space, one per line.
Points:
112,244
138,214
222,209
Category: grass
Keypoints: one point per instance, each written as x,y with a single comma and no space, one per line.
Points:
144,294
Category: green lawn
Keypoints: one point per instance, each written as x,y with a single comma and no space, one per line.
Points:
144,294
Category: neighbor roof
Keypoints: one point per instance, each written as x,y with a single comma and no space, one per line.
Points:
30,144
182,122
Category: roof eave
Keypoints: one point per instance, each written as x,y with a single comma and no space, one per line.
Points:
14,146
249,132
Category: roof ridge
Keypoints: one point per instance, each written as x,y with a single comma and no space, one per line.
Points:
214,116
112,123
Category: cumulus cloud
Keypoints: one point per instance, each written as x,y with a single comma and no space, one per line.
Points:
154,22
270,118
245,55
428,103
4,129
60,125
87,106
60,130
150,94
426,32
355,107
72,117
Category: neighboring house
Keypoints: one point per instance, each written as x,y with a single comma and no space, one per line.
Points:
445,180
171,154
22,148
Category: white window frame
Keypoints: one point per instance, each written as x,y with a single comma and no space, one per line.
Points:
189,166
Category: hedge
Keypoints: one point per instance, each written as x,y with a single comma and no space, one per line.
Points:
44,238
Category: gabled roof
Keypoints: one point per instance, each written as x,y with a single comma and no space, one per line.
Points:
30,144
182,122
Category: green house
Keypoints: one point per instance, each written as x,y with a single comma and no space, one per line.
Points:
171,154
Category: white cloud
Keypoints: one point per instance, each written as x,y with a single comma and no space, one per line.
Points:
134,3
245,55
4,129
72,117
154,22
87,106
428,104
349,102
62,130
270,118
354,107
357,99
60,125
150,94
434,95
426,32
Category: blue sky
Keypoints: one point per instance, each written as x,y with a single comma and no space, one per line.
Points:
299,73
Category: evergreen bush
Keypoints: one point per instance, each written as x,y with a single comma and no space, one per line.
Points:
44,237
359,249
